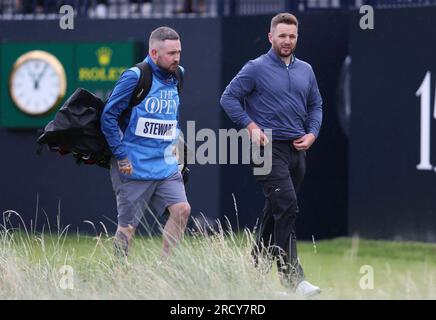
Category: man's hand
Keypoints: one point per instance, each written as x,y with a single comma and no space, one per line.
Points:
304,142
257,135
125,166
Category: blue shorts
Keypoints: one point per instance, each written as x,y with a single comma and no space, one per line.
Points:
135,197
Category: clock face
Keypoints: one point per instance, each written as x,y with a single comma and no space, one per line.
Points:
37,82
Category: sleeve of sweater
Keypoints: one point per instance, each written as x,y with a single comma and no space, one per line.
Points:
233,96
314,108
117,103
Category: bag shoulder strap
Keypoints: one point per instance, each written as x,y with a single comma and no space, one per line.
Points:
145,81
144,84
179,77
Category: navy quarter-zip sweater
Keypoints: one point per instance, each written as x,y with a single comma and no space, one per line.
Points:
283,98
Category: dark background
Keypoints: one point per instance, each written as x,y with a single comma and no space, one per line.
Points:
389,197
366,183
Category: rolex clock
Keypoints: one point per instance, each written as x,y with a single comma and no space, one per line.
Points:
37,82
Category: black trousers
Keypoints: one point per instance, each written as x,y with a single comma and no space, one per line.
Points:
276,237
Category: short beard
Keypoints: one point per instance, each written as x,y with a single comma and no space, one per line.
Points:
164,68
280,55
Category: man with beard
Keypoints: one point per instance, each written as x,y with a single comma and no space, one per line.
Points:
280,93
144,171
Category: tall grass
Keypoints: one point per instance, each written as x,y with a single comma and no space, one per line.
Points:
207,264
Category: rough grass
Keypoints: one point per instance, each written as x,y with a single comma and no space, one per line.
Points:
206,266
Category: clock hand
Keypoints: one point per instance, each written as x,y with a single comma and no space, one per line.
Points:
32,75
40,76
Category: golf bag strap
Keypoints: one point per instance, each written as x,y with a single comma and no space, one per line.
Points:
145,81
179,77
144,84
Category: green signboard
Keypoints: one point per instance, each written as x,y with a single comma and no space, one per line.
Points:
99,65
37,78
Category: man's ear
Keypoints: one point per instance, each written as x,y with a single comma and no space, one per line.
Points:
270,37
153,54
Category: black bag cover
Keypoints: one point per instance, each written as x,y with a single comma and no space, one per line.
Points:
76,129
